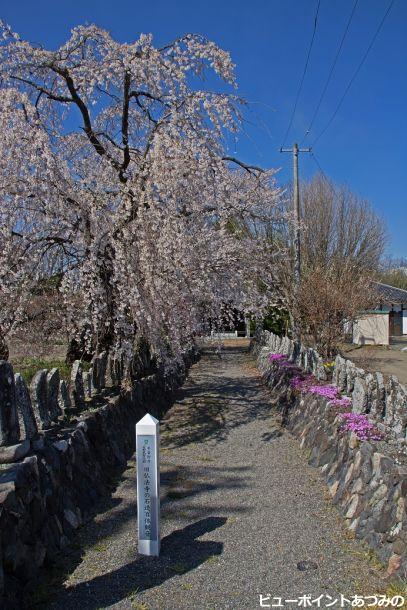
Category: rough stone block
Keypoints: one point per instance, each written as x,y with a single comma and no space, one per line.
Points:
111,379
87,383
39,394
9,425
63,397
359,396
53,383
24,405
14,453
102,369
95,372
77,391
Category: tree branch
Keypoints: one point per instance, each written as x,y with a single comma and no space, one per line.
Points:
87,124
249,168
125,121
52,96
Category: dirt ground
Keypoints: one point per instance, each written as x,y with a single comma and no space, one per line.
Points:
20,349
387,360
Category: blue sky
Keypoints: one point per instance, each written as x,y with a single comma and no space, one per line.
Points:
268,40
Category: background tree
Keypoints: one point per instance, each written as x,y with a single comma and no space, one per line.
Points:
339,226
343,241
328,298
394,273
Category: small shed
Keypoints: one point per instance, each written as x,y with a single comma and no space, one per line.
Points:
389,320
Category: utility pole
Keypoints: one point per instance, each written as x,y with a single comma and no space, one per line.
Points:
297,218
296,205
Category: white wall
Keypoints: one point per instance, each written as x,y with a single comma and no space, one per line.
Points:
405,322
372,329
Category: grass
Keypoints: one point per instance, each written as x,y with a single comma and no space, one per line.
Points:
28,366
138,605
212,560
397,588
132,597
371,557
176,494
178,568
100,547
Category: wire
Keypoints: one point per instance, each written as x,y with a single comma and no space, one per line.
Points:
303,74
355,73
328,182
330,73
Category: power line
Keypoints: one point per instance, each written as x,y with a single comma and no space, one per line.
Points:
330,73
328,182
355,73
318,165
303,74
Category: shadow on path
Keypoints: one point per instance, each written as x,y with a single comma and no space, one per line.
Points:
218,397
201,404
180,553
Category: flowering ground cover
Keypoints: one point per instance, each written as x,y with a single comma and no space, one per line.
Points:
302,383
329,391
361,426
343,401
275,357
306,383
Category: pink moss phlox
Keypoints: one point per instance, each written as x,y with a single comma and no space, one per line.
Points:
281,360
302,382
359,423
345,402
286,364
275,357
328,391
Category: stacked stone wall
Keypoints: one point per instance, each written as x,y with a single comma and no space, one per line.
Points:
57,464
367,479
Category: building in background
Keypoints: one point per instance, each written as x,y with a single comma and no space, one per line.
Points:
385,324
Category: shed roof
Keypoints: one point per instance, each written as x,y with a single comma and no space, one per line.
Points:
391,294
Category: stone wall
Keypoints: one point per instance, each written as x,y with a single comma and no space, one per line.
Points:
58,463
367,479
384,401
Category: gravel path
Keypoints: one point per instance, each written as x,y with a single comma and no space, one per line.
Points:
241,509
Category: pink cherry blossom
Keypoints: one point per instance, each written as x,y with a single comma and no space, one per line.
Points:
140,209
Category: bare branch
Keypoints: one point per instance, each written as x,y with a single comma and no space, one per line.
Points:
49,94
249,168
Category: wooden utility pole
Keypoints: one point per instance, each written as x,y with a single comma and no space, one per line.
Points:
297,235
297,215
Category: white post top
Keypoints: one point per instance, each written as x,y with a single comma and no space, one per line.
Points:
147,425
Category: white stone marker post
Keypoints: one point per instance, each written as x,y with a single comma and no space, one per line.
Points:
148,485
